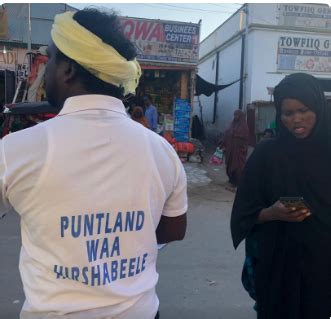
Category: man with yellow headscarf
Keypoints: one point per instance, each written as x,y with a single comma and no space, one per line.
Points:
95,190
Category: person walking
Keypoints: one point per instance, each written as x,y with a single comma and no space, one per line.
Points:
138,116
150,113
235,146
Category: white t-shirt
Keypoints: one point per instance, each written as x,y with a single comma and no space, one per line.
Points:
90,186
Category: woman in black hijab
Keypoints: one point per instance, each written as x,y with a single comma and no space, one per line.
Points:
292,248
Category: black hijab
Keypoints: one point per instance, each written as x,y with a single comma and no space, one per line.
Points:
309,158
288,166
291,256
306,89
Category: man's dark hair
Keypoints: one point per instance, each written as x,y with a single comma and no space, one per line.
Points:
147,96
107,27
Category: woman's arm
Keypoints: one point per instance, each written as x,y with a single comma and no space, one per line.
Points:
279,212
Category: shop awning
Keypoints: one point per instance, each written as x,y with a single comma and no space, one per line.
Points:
207,88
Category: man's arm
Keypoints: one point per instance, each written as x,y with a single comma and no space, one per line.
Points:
172,225
171,229
4,204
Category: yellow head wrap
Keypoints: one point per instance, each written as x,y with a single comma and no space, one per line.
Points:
99,58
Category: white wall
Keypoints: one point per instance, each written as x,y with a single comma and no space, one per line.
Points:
263,64
262,58
228,99
261,52
261,61
206,70
222,34
263,13
229,71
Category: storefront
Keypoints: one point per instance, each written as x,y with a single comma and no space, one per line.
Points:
163,84
168,54
13,67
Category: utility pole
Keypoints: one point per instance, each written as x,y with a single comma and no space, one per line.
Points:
29,53
5,73
29,27
243,62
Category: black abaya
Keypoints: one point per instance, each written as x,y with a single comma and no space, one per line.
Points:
293,271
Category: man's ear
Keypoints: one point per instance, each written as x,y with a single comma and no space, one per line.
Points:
69,71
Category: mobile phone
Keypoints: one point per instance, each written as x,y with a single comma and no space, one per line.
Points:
297,202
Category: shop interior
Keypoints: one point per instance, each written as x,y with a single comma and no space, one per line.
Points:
162,85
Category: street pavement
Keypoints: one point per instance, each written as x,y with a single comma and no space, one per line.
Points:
11,292
199,276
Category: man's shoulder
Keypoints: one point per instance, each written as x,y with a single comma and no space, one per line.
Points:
161,143
30,139
27,132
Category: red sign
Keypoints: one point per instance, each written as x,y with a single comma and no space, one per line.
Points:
163,41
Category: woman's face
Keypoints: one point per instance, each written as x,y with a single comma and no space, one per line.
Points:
297,118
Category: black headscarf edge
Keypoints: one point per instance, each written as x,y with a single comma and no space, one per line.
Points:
305,88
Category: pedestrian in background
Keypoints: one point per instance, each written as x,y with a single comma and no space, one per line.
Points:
288,247
89,238
235,146
150,113
138,116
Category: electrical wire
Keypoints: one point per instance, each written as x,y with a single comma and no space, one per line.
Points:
194,9
173,9
184,9
226,5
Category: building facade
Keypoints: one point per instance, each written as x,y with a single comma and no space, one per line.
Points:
15,22
261,44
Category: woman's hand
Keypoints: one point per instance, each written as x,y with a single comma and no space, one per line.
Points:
279,212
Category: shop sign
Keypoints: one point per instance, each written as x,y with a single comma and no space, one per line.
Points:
305,15
22,72
304,53
163,41
8,60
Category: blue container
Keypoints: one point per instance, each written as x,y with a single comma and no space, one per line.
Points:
181,101
182,107
182,114
181,129
181,137
182,121
181,133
